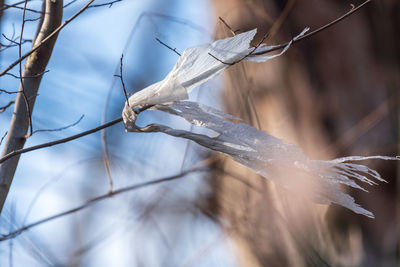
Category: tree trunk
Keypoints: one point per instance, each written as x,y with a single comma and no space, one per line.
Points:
34,68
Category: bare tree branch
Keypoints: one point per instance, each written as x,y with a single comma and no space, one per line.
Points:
61,128
14,153
8,92
12,43
109,4
35,64
103,133
228,27
70,3
5,6
167,46
24,77
45,40
294,40
121,77
2,138
22,8
92,201
251,52
3,108
326,26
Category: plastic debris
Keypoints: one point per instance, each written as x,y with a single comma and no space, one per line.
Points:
282,162
196,66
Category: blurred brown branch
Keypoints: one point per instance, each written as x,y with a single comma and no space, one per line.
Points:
3,108
320,29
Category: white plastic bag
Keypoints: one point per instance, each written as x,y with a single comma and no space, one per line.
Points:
282,162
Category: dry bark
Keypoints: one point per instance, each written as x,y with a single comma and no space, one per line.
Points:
34,67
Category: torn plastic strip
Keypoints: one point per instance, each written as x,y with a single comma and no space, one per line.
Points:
282,162
196,66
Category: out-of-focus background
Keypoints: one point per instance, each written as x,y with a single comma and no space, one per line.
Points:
334,94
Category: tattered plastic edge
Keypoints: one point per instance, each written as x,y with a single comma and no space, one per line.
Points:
272,157
263,153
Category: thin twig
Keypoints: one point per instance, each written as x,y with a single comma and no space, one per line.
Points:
28,76
45,40
68,139
100,198
2,138
8,92
9,6
13,5
31,20
22,8
305,36
122,78
109,4
279,47
70,3
12,43
15,43
3,108
167,46
60,141
61,128
103,133
244,57
229,27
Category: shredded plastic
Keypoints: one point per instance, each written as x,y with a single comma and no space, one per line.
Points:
196,66
282,162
